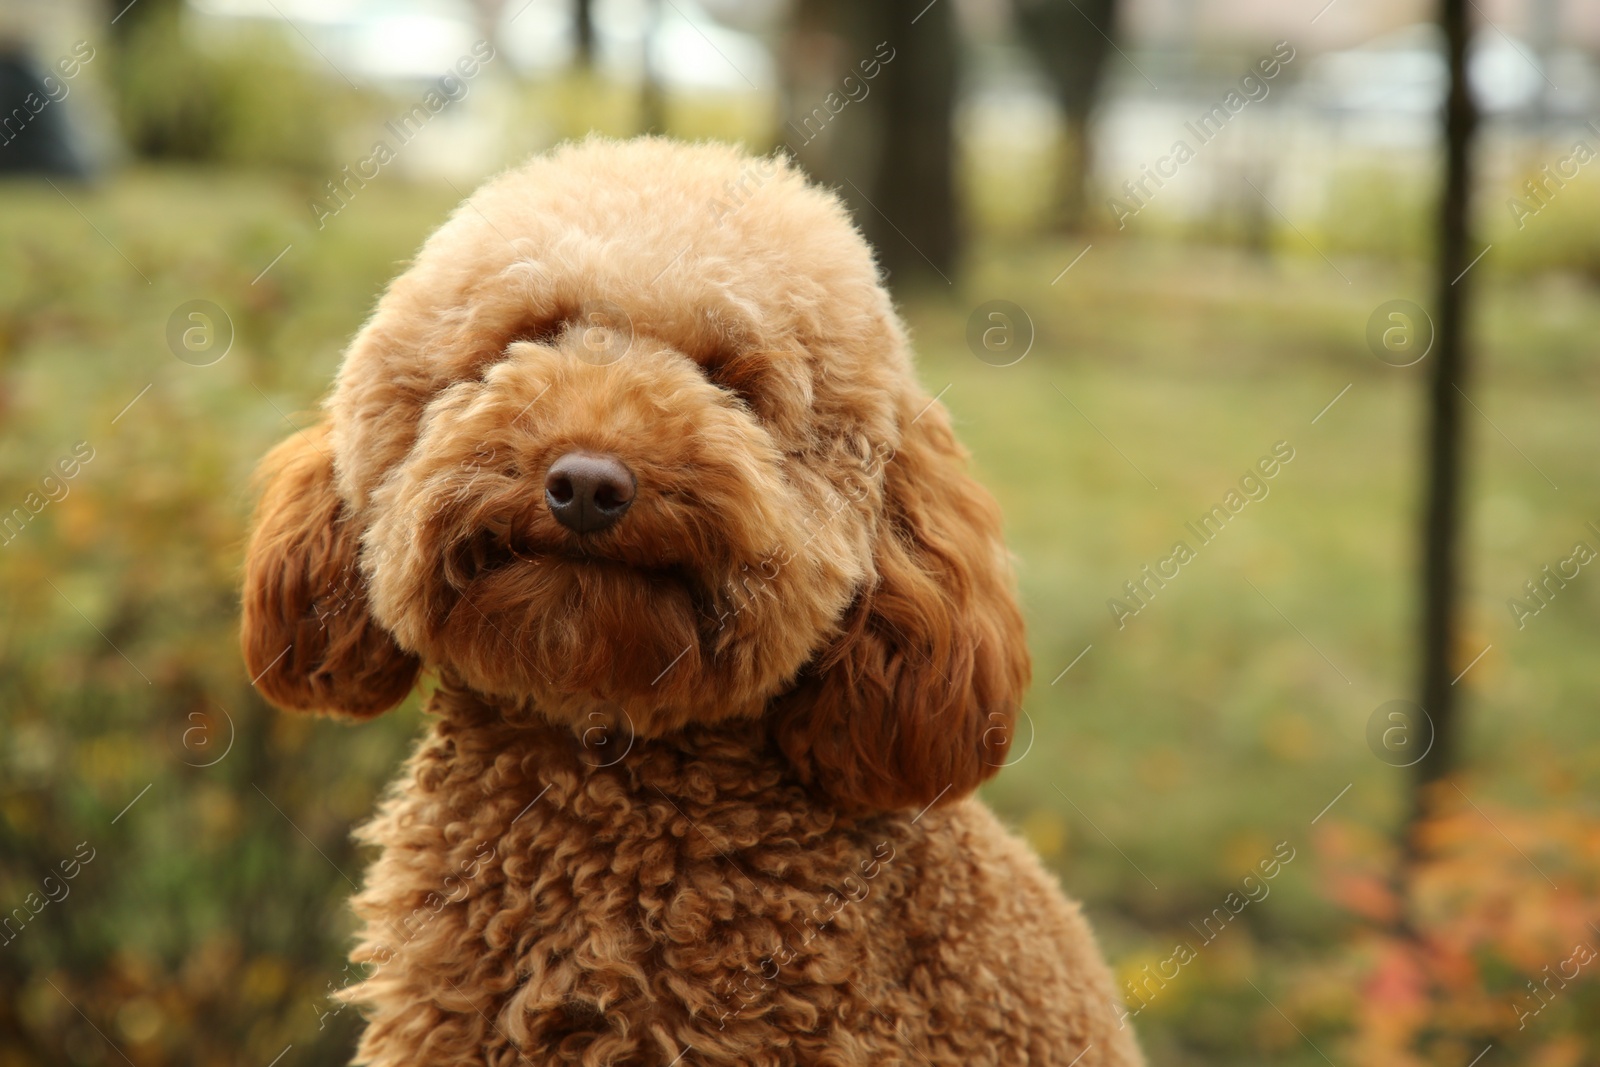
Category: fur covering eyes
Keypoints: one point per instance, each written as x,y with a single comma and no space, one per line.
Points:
805,544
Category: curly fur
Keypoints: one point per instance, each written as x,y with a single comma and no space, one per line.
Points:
699,781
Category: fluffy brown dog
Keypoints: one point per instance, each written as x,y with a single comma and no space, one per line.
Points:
633,457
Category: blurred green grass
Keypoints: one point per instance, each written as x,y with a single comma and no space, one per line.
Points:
1173,754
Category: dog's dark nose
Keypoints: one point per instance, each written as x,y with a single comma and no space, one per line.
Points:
588,491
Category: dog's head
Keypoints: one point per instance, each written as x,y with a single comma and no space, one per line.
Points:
638,431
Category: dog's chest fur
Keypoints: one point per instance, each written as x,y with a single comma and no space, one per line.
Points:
535,905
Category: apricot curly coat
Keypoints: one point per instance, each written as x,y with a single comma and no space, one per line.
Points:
697,786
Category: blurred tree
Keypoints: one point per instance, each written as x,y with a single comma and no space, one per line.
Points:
1441,524
248,101
172,114
1441,534
126,19
1071,40
583,33
652,93
487,14
871,101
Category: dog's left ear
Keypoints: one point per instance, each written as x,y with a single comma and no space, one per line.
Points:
309,642
916,699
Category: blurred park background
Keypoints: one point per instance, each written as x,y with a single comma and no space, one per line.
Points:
175,857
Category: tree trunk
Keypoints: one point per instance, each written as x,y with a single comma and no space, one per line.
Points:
652,95
885,141
583,34
1070,41
1074,169
912,220
1441,526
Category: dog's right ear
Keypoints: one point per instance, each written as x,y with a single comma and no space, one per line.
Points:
309,642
